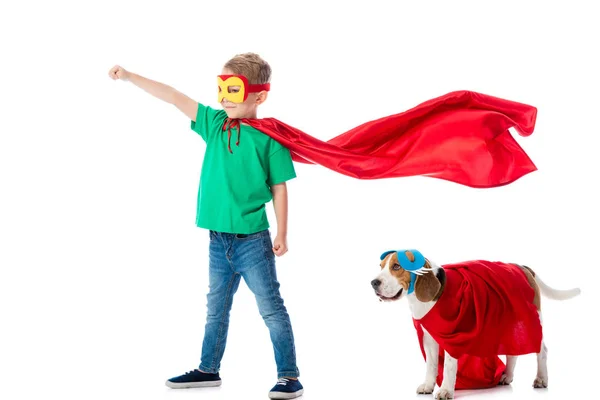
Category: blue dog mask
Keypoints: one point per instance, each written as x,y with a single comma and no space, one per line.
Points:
415,267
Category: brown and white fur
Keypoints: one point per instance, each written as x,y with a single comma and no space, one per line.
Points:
393,281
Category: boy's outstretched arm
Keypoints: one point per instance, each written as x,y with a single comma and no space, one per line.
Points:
280,204
159,90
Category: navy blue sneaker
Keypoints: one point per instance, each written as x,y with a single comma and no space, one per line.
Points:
194,379
286,389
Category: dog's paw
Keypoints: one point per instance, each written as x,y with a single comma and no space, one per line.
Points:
444,394
540,382
425,388
506,379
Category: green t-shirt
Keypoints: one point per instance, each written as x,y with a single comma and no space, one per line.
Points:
234,188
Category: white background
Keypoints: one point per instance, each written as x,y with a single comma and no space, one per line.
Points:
104,274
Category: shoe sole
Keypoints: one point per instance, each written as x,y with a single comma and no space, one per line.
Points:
189,385
284,395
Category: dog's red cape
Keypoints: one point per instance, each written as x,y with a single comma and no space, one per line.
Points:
461,137
485,310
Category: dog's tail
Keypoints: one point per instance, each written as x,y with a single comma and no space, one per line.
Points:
556,294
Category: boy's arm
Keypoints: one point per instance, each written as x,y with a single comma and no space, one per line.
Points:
280,204
159,90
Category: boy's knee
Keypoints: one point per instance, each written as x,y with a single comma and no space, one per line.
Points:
273,309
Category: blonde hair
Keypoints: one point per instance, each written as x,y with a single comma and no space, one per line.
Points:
252,66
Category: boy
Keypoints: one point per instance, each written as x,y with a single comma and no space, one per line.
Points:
238,177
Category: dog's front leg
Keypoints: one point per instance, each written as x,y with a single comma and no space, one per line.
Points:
431,353
447,389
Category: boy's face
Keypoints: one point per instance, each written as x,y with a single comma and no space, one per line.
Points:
248,108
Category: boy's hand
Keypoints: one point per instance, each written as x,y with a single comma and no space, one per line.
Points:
118,72
280,245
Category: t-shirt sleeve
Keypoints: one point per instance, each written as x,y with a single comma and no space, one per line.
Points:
281,167
206,120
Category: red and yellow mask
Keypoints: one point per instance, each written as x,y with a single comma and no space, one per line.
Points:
235,88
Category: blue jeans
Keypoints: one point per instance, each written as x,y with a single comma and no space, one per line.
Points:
251,257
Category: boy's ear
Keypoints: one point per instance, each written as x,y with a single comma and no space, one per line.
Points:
261,97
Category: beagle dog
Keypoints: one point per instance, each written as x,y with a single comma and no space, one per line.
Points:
428,288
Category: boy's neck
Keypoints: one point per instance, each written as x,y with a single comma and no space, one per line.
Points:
240,118
249,116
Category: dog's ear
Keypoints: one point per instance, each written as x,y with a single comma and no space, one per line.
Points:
409,255
427,286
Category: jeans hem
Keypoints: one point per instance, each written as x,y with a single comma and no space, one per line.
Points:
283,374
208,370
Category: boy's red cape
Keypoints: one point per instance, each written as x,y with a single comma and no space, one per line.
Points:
461,137
485,310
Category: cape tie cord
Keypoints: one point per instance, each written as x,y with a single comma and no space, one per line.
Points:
232,123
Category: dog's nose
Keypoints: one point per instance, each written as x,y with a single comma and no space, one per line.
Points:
375,283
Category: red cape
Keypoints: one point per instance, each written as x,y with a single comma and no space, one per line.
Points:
461,137
485,310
